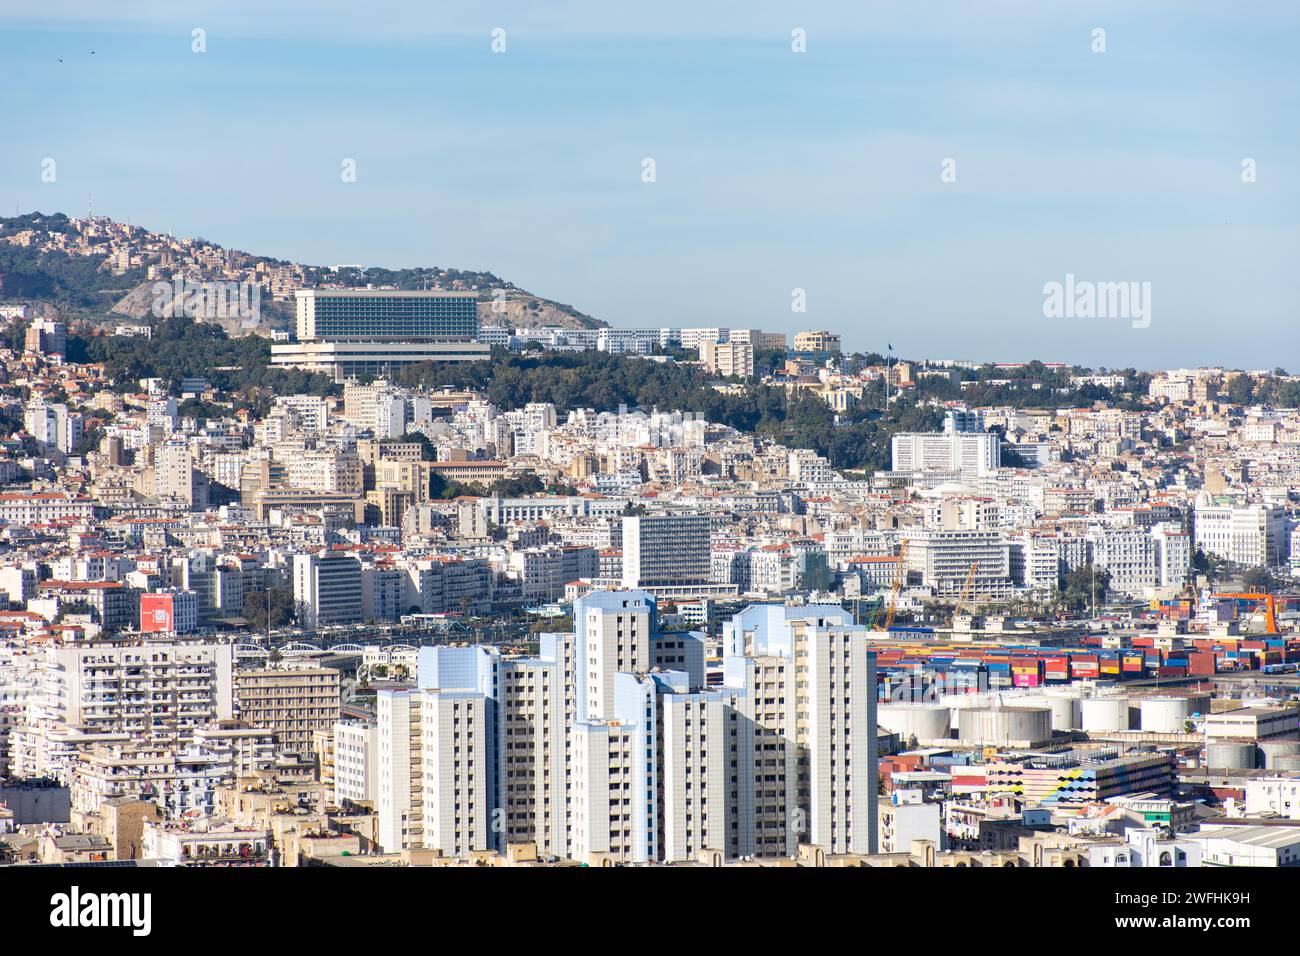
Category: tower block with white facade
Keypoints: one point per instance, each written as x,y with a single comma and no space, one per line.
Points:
609,747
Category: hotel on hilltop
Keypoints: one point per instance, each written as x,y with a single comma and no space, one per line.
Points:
346,333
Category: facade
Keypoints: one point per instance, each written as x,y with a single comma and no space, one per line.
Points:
399,780
1080,778
666,551
295,704
46,336
728,358
342,360
327,588
339,314
534,742
814,758
609,747
612,633
1249,534
156,691
819,341
903,821
111,604
363,332
977,453
355,771
943,560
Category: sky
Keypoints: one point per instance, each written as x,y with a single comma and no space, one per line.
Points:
922,171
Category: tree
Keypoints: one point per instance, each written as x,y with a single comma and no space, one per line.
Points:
551,625
1081,585
1211,565
1241,389
281,608
1259,580
182,347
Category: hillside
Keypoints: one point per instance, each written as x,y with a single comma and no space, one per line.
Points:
104,271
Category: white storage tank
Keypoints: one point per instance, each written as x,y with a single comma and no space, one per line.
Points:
1273,751
1228,754
1104,714
1005,726
1064,708
1164,715
923,721
1067,710
956,703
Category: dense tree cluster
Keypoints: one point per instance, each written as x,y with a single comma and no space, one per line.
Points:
280,605
1082,586
69,281
182,348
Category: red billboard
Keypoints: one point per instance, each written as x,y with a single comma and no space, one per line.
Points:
156,613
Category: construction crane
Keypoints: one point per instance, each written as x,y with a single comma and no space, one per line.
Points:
963,600
900,575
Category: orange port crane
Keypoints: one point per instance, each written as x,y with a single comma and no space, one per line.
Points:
1269,602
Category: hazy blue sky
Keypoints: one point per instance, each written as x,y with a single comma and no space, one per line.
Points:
775,170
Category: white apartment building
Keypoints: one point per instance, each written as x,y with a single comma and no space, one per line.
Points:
53,426
630,341
175,476
149,691
324,471
692,339
1248,534
666,550
699,805
808,682
458,763
355,762
1129,556
534,754
399,777
438,767
328,588
611,632
312,410
1172,389
807,467
728,358
975,453
943,560
609,792
761,341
